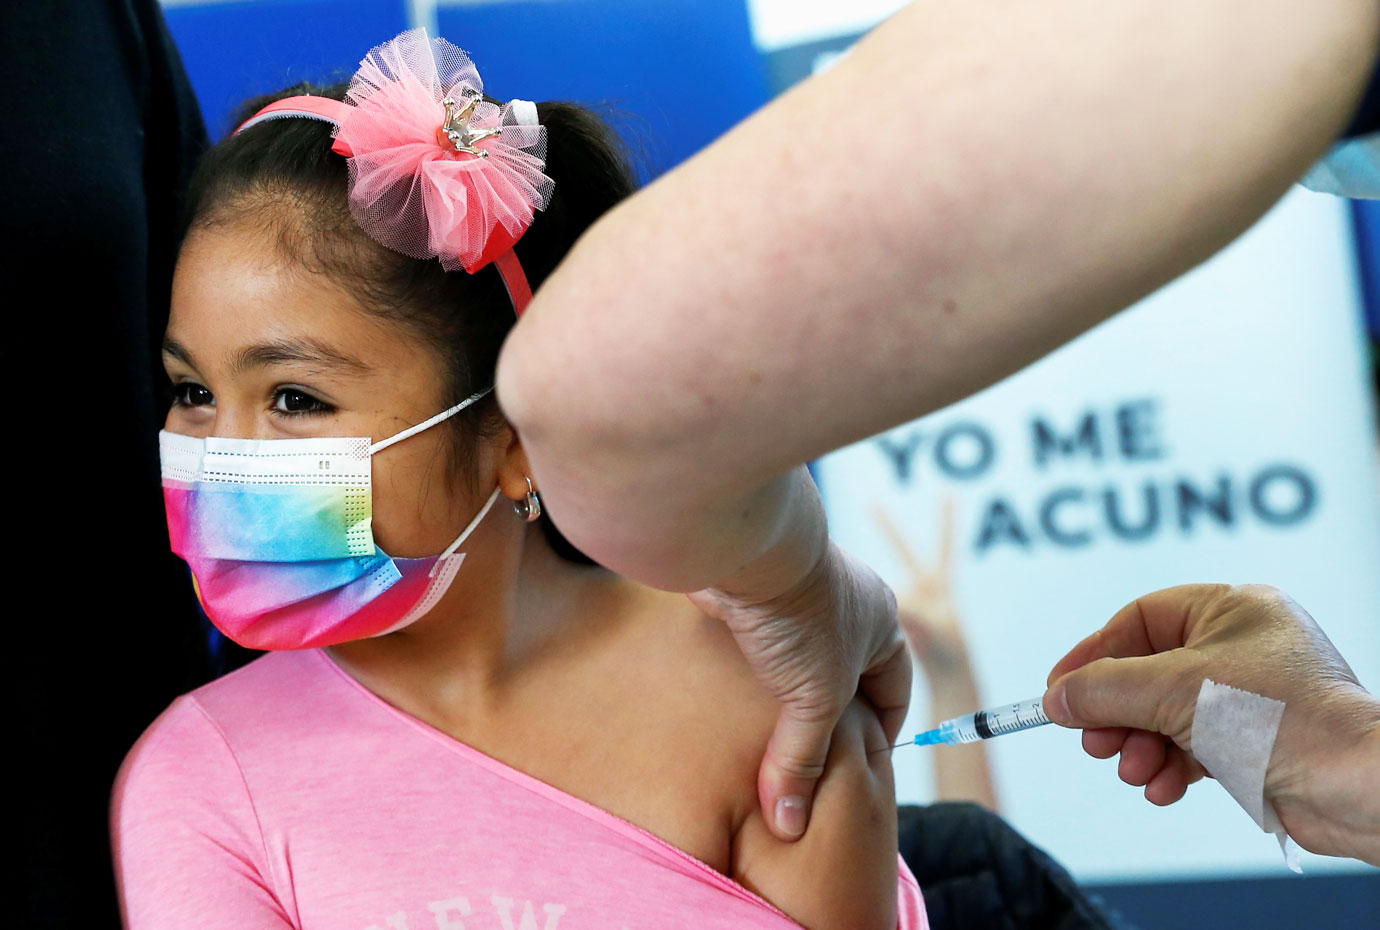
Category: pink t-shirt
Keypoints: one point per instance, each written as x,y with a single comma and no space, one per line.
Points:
288,795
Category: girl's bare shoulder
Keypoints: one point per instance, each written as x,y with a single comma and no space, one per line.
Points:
727,716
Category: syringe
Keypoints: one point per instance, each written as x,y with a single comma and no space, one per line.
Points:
984,724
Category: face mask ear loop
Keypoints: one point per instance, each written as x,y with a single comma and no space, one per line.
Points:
427,424
478,518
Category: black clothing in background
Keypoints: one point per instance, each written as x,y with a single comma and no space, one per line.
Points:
99,133
977,873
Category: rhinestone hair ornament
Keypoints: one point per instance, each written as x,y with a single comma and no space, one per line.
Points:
435,170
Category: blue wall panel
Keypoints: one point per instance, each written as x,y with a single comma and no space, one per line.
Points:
683,71
1367,213
672,75
233,51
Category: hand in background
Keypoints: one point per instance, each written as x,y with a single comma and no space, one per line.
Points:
925,603
929,617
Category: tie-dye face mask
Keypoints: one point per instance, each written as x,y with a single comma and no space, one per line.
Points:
278,535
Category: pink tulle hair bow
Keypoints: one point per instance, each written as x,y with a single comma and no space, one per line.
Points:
436,171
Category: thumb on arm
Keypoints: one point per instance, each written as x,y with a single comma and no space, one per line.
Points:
790,770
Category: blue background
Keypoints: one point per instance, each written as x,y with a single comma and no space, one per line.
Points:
671,75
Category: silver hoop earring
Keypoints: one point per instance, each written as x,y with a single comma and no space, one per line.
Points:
529,508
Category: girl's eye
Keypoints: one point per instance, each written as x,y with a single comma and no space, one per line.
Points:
296,402
191,394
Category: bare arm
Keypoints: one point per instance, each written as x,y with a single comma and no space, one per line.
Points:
975,185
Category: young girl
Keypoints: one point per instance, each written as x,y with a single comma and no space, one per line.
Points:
499,736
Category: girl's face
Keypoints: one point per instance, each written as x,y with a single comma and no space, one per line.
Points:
259,348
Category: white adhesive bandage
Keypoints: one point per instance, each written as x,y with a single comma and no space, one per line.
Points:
1233,736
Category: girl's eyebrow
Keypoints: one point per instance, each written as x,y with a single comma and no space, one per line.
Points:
297,350
176,350
277,352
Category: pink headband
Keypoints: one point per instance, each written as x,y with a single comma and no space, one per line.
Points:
435,170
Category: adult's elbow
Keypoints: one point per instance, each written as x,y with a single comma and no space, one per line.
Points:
531,394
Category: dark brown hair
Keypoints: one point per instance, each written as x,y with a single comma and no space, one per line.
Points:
282,176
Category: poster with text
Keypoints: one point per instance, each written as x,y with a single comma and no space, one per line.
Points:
1223,430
